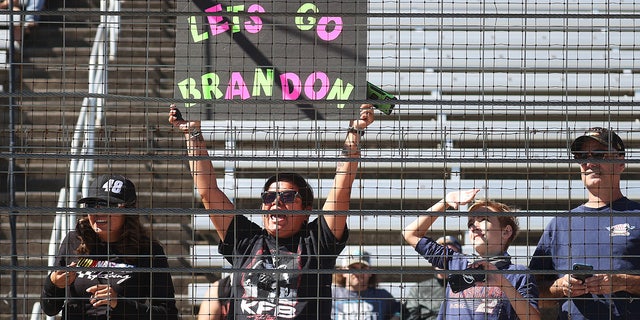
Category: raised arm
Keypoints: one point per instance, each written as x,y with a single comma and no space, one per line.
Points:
204,175
416,230
340,194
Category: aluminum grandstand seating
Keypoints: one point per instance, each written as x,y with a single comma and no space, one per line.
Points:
490,102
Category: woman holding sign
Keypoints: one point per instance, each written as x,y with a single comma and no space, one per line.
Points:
281,262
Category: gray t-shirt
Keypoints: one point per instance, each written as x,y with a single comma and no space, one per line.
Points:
425,299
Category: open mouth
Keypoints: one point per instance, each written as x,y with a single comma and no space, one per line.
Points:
101,222
591,172
277,218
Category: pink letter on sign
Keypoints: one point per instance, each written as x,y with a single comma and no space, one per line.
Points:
322,28
241,90
310,82
294,92
255,25
214,20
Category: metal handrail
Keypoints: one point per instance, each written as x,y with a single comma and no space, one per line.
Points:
103,50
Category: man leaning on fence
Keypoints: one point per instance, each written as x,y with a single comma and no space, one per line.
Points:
599,233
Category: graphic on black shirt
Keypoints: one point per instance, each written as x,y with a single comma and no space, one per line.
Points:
116,279
267,292
291,268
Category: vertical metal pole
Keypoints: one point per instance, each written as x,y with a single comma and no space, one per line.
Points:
11,169
230,166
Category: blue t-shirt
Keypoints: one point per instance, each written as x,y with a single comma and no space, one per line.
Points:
479,302
607,242
370,304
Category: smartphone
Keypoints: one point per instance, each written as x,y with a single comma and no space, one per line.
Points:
582,266
376,93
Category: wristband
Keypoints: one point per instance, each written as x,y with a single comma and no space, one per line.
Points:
195,134
350,152
356,131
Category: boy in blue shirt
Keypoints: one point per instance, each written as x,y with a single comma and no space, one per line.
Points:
500,295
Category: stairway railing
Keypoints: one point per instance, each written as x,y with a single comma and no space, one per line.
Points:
103,50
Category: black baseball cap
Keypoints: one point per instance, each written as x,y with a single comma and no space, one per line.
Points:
604,136
112,189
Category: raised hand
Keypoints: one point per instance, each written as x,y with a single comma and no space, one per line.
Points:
456,198
176,119
366,117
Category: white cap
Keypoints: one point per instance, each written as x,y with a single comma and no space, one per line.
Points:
355,256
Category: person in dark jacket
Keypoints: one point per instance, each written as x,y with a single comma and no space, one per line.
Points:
106,251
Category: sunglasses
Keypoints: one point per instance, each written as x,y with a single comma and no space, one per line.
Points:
591,155
285,196
101,204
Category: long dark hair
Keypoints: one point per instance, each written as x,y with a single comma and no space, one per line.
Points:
135,239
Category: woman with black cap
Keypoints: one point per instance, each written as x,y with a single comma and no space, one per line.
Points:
106,249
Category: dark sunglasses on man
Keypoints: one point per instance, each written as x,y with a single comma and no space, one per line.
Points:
591,155
268,197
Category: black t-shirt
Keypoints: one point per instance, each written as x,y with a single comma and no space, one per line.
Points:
299,286
224,296
134,287
224,289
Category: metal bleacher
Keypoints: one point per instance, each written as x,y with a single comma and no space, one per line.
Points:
490,102
508,174
542,48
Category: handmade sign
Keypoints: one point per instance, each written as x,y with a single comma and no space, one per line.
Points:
262,59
